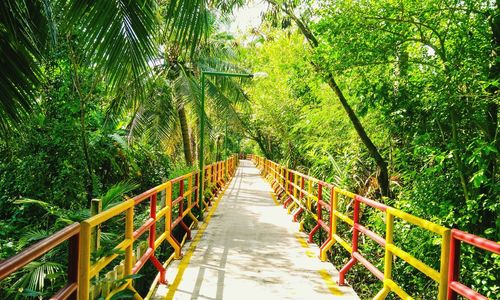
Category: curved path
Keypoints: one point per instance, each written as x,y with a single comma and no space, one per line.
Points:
250,249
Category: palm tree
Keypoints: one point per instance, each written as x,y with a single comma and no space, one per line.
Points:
166,111
28,29
177,69
117,39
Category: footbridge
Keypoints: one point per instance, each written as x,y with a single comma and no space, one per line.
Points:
260,231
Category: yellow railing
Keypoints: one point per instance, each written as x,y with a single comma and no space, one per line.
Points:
391,250
299,192
172,212
170,204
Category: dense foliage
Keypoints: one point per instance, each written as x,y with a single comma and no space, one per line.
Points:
397,101
422,78
101,114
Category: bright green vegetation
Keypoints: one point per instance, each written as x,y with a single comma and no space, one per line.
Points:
395,100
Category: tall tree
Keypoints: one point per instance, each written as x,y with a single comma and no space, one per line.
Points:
383,173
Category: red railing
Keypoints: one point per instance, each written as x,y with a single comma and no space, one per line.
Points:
321,207
358,228
184,204
454,286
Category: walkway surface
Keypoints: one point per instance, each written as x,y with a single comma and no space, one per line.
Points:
250,249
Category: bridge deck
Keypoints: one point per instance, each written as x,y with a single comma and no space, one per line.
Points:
250,249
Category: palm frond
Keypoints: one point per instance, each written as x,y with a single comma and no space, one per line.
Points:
188,23
35,275
116,193
32,235
221,104
63,218
155,120
220,45
45,205
117,36
185,87
227,85
23,36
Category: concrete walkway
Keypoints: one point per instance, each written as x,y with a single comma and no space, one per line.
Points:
250,249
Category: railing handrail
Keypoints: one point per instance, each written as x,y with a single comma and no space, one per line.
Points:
81,270
18,261
286,184
456,288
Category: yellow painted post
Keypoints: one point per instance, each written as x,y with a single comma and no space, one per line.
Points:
168,220
287,182
277,169
162,199
190,200
190,189
333,225
213,175
221,172
84,278
309,194
281,180
95,237
294,187
443,268
388,256
226,168
334,204
295,181
216,173
209,177
129,235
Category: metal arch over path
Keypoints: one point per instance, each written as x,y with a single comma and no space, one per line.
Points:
247,246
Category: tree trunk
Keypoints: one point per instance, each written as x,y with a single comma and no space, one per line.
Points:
85,147
457,155
382,172
89,186
194,151
261,142
217,148
492,109
186,142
